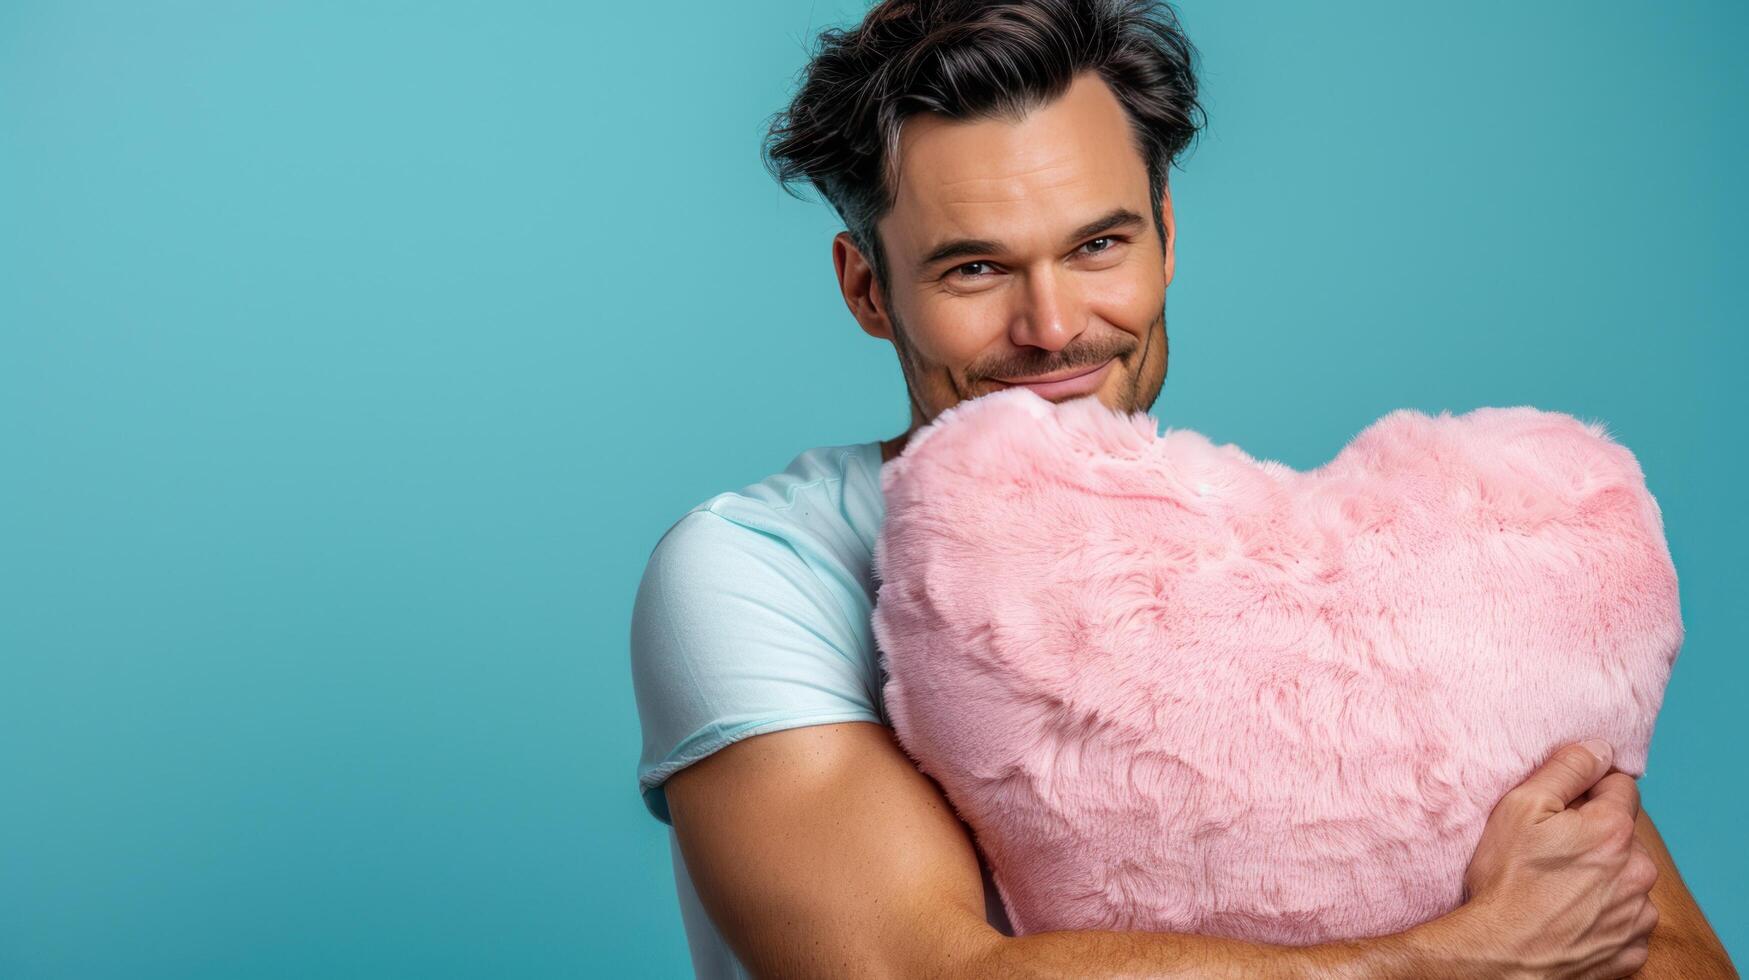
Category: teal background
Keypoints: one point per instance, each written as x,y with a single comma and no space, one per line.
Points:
354,356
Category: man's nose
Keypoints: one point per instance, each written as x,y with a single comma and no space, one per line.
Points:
1050,312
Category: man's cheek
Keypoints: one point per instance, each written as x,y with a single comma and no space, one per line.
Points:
957,336
1133,304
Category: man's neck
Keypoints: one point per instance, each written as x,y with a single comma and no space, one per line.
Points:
891,448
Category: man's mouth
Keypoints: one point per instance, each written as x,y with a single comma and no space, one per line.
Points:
1076,381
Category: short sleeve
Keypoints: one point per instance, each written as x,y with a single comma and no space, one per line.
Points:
734,635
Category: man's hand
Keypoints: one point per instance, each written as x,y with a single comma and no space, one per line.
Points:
1567,890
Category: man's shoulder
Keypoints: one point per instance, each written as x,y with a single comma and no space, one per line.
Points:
835,473
753,613
825,505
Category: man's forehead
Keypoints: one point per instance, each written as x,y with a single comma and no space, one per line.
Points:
1075,155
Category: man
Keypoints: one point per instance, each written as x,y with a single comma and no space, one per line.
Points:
1001,169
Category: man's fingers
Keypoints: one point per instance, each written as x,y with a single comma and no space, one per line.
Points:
1616,791
1566,775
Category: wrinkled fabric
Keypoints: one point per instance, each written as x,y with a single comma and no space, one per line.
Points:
1171,687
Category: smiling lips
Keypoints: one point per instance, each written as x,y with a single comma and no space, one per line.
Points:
1086,381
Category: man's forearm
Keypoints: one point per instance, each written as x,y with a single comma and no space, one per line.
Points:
1686,958
1683,945
1439,948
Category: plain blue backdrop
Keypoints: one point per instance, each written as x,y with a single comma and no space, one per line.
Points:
354,355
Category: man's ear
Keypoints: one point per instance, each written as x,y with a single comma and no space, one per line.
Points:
1171,229
862,294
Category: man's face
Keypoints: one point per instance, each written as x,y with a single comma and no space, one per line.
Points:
1018,249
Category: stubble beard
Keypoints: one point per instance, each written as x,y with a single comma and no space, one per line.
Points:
910,369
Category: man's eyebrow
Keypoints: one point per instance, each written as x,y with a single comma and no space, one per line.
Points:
1119,217
1109,221
957,247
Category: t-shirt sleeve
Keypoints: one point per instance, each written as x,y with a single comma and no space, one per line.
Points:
734,635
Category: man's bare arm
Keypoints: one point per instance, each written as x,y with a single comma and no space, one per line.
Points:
1683,943
823,852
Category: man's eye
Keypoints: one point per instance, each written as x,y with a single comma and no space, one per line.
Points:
1094,246
971,270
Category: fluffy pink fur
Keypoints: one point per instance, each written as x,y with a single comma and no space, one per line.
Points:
1174,688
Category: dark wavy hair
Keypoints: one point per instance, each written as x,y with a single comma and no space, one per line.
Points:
971,59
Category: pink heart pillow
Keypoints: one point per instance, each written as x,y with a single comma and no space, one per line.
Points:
1170,687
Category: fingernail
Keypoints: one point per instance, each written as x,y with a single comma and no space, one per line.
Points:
1600,748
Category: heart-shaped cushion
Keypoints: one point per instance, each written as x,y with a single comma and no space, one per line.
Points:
1171,687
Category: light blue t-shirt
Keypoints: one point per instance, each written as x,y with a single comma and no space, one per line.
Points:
753,616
